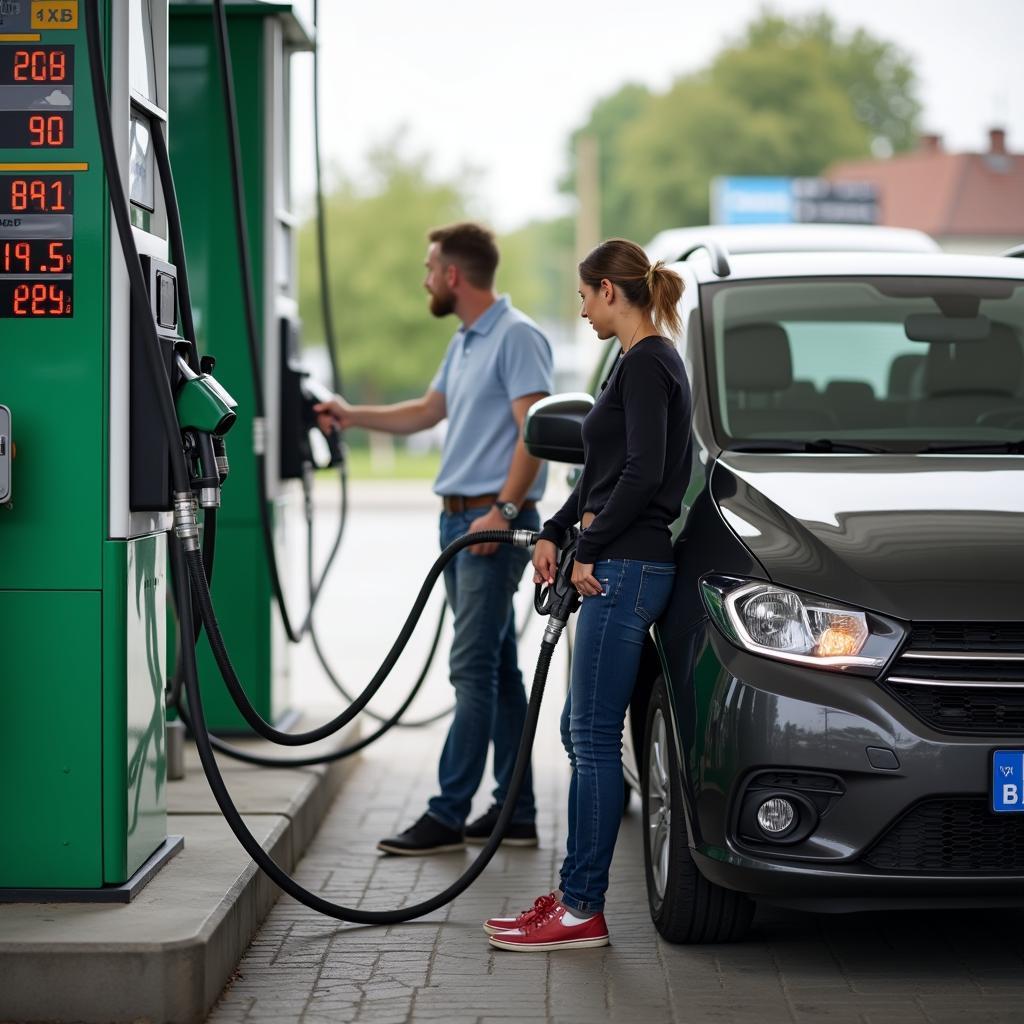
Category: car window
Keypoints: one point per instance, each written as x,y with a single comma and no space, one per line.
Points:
900,363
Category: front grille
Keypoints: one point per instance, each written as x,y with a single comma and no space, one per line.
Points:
963,678
951,835
967,636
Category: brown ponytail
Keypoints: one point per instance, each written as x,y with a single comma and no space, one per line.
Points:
651,287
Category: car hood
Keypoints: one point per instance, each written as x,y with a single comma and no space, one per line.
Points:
927,537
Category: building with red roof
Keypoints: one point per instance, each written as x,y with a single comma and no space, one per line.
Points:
968,202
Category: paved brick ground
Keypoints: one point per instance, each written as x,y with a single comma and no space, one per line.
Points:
867,968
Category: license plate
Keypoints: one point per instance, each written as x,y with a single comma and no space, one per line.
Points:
1008,780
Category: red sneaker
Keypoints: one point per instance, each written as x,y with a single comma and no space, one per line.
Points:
541,904
548,930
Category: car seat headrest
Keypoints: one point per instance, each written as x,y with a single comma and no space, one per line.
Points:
757,358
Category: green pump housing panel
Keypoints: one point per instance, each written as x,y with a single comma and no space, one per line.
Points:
263,36
82,577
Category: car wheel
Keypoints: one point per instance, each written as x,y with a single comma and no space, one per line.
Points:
684,905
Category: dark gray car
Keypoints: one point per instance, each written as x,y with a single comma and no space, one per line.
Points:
830,714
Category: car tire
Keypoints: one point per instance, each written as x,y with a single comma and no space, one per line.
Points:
685,907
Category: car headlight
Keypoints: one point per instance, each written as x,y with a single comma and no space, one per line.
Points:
786,624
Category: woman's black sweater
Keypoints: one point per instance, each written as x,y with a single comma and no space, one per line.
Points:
637,449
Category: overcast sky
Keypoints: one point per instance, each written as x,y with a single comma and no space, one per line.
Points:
501,92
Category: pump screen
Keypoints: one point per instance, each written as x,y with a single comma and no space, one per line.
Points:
37,93
37,65
37,193
37,97
35,256
33,299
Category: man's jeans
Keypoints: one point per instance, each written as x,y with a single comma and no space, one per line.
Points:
610,635
490,702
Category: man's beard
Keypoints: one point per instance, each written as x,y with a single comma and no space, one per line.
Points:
442,305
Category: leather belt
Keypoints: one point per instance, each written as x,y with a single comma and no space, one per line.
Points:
456,503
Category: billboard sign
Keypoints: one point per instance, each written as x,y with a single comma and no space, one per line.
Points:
772,200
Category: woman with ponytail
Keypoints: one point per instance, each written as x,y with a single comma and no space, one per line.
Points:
636,443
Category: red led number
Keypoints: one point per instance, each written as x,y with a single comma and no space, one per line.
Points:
17,258
46,131
59,259
39,66
40,300
37,194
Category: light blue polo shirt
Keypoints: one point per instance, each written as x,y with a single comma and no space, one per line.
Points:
501,357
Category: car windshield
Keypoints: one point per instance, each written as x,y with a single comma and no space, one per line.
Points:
889,363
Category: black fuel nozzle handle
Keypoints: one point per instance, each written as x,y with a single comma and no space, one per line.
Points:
316,393
204,475
560,599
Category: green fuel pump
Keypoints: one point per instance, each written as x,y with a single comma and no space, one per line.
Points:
83,547
264,37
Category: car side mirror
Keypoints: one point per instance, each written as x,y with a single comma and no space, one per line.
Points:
554,427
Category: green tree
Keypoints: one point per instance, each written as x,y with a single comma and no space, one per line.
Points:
789,97
537,268
608,119
389,343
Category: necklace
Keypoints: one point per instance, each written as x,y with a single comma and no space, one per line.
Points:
635,332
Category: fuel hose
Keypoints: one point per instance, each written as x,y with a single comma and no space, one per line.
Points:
186,577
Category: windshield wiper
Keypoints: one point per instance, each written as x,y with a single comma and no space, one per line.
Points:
1010,447
822,444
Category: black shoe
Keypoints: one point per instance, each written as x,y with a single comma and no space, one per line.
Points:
428,835
479,831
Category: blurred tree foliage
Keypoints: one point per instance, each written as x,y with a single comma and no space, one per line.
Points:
790,97
390,344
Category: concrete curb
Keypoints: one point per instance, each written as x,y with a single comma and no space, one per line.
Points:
167,956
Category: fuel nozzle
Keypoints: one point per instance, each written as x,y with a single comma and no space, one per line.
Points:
202,402
204,474
560,599
314,393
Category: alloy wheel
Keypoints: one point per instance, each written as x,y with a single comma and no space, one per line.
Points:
659,805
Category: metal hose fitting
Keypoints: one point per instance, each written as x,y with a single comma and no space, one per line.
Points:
186,528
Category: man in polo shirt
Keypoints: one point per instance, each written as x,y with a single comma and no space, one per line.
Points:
497,365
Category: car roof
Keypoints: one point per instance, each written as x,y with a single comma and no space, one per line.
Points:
754,238
854,264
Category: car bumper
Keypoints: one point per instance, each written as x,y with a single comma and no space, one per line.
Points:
890,836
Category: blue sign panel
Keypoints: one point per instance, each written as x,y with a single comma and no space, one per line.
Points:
752,201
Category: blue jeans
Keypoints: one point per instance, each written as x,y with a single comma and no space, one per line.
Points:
490,702
609,639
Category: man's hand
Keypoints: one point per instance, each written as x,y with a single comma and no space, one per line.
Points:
493,520
545,562
334,415
584,581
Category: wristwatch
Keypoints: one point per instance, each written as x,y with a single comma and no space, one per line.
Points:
509,510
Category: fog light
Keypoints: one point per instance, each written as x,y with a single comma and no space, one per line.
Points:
776,815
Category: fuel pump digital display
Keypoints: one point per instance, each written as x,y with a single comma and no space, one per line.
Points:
37,65
37,193
32,299
37,91
22,129
37,97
